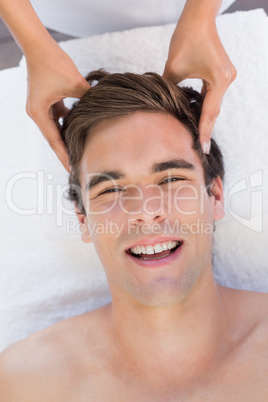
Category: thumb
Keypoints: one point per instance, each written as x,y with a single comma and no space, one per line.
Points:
210,111
51,133
59,148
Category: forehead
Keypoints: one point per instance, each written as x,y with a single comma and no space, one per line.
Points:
134,143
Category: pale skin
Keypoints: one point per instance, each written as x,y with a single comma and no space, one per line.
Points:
171,333
195,52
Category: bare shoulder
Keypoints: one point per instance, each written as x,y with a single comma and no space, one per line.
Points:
43,366
249,308
28,366
23,367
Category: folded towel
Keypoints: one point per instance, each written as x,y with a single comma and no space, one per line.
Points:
47,272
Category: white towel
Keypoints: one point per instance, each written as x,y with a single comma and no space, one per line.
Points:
48,274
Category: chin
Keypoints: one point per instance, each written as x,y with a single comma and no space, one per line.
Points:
162,293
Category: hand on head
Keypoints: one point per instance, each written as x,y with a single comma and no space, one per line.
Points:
197,52
49,82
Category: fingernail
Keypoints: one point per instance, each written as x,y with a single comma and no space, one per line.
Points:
204,147
208,146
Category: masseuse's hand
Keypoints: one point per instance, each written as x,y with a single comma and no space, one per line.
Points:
197,52
52,75
51,78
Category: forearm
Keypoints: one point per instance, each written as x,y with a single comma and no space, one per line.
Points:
203,10
25,26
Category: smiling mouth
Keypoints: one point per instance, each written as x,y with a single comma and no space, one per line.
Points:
156,255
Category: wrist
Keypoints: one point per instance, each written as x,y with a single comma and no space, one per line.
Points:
198,24
201,12
40,48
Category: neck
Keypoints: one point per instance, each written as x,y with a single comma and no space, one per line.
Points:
192,334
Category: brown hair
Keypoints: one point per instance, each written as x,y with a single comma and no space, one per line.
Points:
116,95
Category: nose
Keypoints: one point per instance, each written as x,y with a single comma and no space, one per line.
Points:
138,220
148,207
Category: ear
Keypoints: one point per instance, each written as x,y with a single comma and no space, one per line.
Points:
83,225
217,198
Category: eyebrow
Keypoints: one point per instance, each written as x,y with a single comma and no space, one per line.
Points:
156,168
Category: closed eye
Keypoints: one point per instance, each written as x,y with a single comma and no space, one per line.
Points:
171,179
117,189
112,190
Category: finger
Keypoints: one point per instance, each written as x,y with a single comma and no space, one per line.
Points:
210,111
63,157
64,160
213,95
59,148
59,110
51,133
53,113
204,89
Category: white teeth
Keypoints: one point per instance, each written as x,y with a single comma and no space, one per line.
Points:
138,250
149,250
171,244
157,248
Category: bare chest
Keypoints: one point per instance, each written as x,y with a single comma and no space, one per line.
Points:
241,378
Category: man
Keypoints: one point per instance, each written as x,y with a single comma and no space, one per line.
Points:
171,333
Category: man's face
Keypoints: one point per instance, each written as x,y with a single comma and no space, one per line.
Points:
156,195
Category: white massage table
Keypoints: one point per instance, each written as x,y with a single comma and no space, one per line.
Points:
47,272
